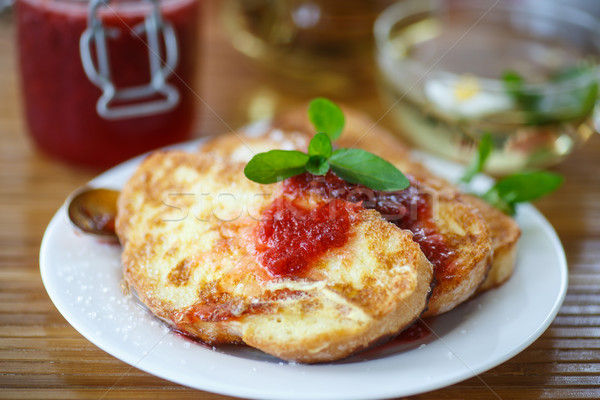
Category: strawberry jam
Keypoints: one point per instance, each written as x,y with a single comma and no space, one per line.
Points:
410,209
60,100
292,236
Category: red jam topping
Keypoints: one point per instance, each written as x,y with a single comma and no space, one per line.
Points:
408,209
217,307
292,236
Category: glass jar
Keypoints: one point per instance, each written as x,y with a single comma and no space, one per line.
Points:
105,80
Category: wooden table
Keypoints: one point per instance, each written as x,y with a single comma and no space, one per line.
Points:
43,357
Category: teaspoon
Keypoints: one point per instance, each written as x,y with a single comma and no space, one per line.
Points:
92,211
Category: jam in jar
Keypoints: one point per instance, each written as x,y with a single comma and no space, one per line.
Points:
104,80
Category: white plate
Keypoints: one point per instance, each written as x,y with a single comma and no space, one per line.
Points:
83,279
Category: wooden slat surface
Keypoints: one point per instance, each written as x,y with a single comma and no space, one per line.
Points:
43,357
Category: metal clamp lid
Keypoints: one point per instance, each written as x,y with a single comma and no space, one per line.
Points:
142,98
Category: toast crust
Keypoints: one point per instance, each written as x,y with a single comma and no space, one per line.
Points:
195,265
505,234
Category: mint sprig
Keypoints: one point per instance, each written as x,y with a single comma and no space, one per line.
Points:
513,189
520,188
353,165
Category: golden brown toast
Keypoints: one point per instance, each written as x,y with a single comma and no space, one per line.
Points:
193,231
463,229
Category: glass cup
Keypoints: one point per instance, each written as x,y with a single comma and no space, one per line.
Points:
102,80
308,46
452,71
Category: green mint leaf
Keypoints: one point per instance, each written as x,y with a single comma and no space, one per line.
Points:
360,166
478,162
514,84
527,186
512,78
275,165
320,145
326,117
588,97
317,165
522,187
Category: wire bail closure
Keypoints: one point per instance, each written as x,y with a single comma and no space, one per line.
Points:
141,99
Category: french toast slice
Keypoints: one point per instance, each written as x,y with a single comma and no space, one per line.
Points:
463,258
192,229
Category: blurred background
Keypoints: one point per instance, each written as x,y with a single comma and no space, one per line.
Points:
259,57
439,73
